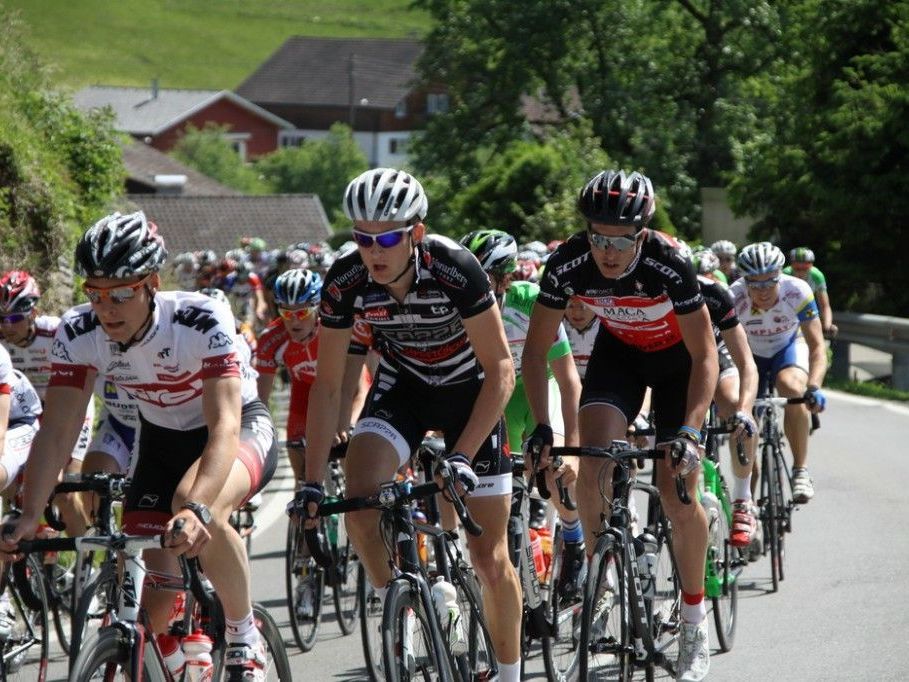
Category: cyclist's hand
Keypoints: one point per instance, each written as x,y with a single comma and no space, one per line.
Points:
640,423
744,424
831,331
186,534
815,399
15,528
540,440
567,471
685,454
466,480
306,503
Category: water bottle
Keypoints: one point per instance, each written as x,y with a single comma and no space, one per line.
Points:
197,648
647,548
536,546
445,598
711,506
173,654
546,545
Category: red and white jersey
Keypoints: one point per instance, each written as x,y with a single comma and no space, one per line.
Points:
192,338
34,361
276,349
24,404
581,342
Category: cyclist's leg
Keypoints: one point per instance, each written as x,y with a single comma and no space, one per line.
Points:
16,446
70,505
791,382
110,451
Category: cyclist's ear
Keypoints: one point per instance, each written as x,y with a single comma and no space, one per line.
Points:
419,231
154,282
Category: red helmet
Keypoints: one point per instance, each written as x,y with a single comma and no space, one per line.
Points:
18,292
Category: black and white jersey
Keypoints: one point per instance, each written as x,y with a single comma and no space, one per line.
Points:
720,305
424,335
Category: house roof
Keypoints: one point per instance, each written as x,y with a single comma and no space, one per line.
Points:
143,163
151,111
317,72
195,223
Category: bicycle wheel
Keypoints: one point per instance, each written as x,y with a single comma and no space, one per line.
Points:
344,582
560,652
277,666
479,662
96,606
723,559
25,650
59,582
663,599
107,657
305,583
370,627
605,650
408,648
769,514
784,509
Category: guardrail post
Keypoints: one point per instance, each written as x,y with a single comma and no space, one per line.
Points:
901,371
839,368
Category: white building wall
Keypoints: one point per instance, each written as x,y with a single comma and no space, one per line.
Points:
718,221
382,149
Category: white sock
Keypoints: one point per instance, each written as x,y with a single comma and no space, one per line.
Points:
509,672
694,613
741,488
241,631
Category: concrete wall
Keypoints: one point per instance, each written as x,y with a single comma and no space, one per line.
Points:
717,220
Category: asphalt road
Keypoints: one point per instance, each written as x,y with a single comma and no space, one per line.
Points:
840,614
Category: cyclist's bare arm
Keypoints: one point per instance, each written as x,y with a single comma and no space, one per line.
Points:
487,338
823,306
325,399
697,334
353,392
544,325
737,343
4,419
817,351
566,375
264,384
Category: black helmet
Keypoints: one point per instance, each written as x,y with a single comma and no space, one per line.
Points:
120,246
496,250
613,198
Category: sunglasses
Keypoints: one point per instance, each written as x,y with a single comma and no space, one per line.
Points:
762,284
619,243
13,318
298,313
386,240
118,294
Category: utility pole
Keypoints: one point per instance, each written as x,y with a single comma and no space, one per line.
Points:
350,91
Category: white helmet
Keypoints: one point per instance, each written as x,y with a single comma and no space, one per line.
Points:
724,247
385,195
760,258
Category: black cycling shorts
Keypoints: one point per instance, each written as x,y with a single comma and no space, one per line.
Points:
165,455
402,409
619,374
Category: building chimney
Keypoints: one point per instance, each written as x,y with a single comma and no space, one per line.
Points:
154,88
169,184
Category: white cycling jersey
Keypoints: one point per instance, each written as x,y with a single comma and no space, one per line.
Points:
582,344
24,404
769,331
191,338
34,361
117,402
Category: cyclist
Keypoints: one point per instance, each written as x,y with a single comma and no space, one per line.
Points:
206,441
245,292
655,331
707,264
445,366
497,252
801,265
725,251
186,270
29,338
780,317
582,329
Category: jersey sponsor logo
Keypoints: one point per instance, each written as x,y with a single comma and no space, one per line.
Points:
444,310
110,391
448,331
429,293
196,318
431,355
450,274
117,364
623,313
83,324
219,340
60,351
334,291
164,353
148,501
663,269
572,264
377,314
689,301
345,281
165,396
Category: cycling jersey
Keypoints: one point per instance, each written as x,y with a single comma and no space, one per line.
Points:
582,344
34,360
24,404
720,306
516,309
424,335
769,331
816,279
639,308
191,338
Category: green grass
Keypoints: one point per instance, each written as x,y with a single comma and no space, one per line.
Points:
207,44
871,389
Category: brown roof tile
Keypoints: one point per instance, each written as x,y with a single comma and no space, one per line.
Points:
143,163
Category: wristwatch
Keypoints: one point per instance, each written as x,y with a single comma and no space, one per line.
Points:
200,510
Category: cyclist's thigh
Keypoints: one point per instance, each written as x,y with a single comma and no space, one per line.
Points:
491,513
371,461
85,434
108,451
613,391
727,394
17,444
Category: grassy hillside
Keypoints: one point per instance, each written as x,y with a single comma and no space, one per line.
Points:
210,44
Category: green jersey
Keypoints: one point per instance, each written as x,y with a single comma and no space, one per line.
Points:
816,279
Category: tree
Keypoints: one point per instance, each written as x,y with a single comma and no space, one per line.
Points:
209,152
319,166
59,169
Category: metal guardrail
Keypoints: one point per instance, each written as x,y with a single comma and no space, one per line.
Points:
887,334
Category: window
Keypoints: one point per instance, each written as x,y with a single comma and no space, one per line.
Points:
436,103
401,109
397,145
238,142
291,138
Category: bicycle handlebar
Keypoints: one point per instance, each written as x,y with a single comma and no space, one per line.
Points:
536,451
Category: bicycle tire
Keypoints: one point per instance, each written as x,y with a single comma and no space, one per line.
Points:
560,652
96,605
344,590
24,654
278,666
479,663
409,650
604,599
370,627
110,649
300,569
60,596
783,511
769,514
723,555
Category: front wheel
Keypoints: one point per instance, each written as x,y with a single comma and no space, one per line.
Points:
605,649
24,652
370,626
107,657
277,667
344,582
408,648
304,581
722,569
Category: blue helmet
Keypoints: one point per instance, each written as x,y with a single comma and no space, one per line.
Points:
298,287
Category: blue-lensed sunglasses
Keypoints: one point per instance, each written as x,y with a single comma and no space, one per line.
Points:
386,239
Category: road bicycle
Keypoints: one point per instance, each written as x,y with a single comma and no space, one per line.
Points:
415,643
126,647
630,615
305,580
